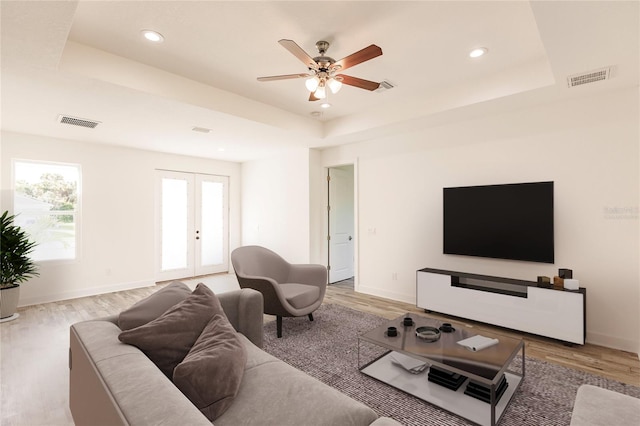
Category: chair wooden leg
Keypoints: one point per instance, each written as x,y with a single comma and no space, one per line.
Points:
279,326
310,317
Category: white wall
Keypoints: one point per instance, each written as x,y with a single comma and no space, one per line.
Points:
117,250
275,204
318,208
589,147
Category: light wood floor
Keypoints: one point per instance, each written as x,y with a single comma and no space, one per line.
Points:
34,371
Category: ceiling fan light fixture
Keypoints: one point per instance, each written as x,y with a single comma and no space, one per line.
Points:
335,85
320,92
312,83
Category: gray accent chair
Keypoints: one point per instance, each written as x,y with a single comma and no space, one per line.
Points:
289,290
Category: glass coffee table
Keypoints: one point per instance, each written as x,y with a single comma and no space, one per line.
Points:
476,385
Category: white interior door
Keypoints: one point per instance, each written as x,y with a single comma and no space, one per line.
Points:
341,223
192,217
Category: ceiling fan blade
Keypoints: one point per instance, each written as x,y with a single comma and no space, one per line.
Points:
357,58
297,51
283,77
359,82
312,97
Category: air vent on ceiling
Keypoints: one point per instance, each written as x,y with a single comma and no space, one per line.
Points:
385,85
75,121
201,130
589,77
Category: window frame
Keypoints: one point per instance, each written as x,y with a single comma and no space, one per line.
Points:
77,212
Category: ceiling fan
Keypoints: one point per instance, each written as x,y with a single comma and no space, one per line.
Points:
324,71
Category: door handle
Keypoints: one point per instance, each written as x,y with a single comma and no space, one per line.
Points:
350,238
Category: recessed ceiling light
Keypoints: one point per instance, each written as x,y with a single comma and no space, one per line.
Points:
325,105
476,53
221,150
153,36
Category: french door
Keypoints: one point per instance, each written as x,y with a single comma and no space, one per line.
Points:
193,222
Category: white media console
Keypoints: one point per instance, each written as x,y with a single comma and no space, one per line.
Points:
515,304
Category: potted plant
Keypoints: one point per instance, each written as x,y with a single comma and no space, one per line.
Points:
15,264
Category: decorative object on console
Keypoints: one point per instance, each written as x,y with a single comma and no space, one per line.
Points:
565,273
392,332
571,284
558,282
544,281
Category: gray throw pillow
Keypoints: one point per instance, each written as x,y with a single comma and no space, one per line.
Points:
168,339
153,306
211,373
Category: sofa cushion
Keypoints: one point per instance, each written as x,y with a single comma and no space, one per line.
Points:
275,393
211,373
300,295
168,339
596,406
152,307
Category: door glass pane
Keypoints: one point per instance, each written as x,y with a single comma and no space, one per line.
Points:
174,224
212,227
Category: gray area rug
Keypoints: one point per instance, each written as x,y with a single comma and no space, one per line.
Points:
327,349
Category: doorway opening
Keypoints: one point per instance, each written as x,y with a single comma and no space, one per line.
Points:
341,224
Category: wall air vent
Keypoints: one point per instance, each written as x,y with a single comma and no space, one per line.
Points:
75,121
201,130
589,77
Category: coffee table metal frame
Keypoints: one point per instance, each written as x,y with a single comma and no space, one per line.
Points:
447,355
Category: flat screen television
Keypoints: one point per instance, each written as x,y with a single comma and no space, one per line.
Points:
512,221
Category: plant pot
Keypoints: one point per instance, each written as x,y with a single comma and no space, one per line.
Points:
9,297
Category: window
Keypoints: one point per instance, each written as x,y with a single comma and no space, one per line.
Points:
46,204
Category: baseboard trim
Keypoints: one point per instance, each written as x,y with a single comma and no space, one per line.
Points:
386,294
85,292
613,342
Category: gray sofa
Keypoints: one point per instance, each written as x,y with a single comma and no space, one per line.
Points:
112,383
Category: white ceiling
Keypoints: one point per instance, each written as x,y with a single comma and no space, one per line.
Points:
87,59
